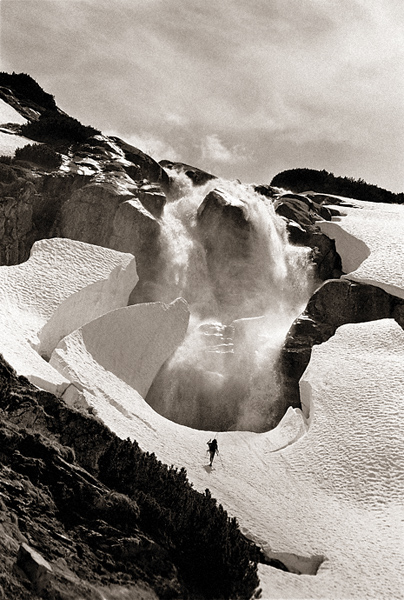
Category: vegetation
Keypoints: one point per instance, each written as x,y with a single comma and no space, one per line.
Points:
205,543
40,154
304,180
213,558
57,127
26,88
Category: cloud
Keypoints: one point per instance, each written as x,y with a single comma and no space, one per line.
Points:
268,78
213,150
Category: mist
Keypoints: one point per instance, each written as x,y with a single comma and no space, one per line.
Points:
227,253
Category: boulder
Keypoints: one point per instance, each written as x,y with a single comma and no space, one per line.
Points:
335,303
37,569
266,190
136,230
296,210
153,199
341,301
227,235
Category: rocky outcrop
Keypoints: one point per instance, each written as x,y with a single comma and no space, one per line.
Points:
226,233
134,229
77,207
197,176
149,168
335,303
88,515
81,199
302,214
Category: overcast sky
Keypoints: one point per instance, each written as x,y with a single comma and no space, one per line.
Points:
244,89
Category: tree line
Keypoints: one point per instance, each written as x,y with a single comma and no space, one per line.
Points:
304,180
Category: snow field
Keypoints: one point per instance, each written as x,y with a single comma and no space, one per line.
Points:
328,499
380,227
131,342
63,284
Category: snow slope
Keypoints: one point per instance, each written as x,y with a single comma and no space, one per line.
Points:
63,284
324,496
8,114
379,245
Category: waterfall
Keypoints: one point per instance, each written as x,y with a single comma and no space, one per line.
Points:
245,284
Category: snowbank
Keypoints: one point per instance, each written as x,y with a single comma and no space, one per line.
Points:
63,285
379,228
9,142
132,343
322,492
8,114
328,503
32,293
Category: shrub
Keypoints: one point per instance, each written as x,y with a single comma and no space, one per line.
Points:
40,154
54,127
201,537
25,87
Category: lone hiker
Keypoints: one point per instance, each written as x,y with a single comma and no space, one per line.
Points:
213,448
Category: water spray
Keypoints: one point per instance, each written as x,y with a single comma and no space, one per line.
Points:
228,255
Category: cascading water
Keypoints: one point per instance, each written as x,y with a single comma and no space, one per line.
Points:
226,252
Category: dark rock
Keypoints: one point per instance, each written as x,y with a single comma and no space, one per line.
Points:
341,301
228,238
266,190
197,176
153,199
37,569
150,169
335,303
296,210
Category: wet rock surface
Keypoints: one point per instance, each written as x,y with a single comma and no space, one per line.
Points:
302,214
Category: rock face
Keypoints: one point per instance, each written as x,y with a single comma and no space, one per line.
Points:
36,568
84,199
148,167
335,303
303,214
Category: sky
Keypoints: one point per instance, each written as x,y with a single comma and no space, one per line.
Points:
243,89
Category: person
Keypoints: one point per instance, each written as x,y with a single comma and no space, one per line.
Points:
213,448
